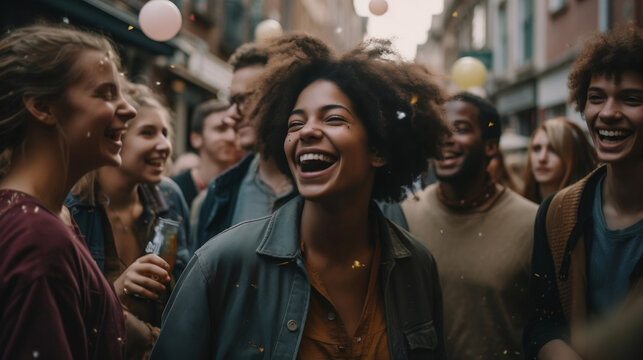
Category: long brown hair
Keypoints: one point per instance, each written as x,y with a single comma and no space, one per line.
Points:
38,61
568,140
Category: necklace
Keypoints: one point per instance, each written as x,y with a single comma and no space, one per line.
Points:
123,226
487,192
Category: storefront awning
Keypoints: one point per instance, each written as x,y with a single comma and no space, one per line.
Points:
105,16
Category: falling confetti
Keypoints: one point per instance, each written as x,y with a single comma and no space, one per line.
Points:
414,99
339,30
356,265
192,17
256,347
253,285
36,209
89,134
66,20
172,66
35,354
130,27
536,275
401,115
490,124
454,14
158,83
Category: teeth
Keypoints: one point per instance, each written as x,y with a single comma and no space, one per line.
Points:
603,132
114,134
318,157
157,162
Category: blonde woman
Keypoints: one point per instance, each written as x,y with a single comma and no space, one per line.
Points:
558,155
119,209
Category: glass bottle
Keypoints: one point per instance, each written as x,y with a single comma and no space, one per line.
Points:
164,242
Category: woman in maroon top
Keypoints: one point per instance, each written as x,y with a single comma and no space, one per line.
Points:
62,114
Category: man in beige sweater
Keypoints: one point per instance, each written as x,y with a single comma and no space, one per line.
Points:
480,234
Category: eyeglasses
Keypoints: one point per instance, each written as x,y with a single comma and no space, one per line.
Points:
241,100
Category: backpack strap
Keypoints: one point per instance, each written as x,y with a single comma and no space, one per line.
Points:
567,246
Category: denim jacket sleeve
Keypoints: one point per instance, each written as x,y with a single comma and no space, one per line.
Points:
546,319
185,331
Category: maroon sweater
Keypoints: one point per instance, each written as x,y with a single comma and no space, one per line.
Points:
54,301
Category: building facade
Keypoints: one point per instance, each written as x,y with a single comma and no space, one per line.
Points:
528,47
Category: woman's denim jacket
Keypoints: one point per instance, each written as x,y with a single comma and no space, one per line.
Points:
245,294
163,200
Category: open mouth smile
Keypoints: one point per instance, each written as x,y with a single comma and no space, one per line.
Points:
614,135
157,162
114,134
314,162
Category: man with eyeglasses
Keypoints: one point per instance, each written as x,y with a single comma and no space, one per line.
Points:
254,187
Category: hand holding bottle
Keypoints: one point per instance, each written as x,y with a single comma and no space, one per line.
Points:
144,277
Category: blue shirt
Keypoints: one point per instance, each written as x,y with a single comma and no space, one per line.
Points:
256,198
614,255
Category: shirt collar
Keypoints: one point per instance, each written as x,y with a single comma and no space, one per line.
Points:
281,237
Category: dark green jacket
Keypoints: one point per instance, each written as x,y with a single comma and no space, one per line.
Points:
245,294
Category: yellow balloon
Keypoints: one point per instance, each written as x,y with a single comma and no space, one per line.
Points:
468,72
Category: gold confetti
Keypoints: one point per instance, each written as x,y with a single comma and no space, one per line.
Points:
414,99
490,124
130,27
357,265
284,263
536,275
253,285
256,347
454,14
237,285
172,66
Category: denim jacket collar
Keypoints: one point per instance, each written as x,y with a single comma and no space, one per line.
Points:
278,241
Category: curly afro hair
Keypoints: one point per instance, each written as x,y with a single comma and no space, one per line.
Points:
398,102
611,54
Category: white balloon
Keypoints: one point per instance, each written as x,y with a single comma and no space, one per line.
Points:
268,29
378,7
160,20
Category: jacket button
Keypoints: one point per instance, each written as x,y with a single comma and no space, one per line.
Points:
291,325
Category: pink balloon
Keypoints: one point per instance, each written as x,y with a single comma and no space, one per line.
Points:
160,20
378,7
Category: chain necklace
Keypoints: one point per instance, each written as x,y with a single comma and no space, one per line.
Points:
123,226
